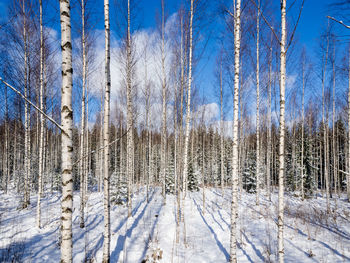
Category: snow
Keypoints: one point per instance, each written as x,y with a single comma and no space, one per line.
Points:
310,234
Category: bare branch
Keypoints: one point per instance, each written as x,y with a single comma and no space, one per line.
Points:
230,13
267,23
343,172
101,148
339,21
295,27
32,104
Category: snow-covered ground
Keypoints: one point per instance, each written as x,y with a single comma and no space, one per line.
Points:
310,234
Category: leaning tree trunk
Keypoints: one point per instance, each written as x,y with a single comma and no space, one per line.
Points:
106,203
67,133
234,200
282,133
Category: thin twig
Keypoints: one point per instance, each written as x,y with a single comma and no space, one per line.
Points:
101,148
32,104
230,13
339,21
267,23
295,27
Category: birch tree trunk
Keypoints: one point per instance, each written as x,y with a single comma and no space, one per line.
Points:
26,115
348,174
100,153
164,132
234,200
82,132
333,128
282,134
188,111
221,135
41,146
6,175
106,203
148,143
268,158
130,139
325,128
257,107
67,133
302,128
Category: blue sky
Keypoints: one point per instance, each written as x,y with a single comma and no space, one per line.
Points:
312,21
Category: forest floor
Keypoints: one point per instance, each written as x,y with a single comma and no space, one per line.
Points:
311,235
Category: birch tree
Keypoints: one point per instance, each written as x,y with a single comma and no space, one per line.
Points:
348,174
325,128
222,150
129,121
302,124
257,106
41,146
188,110
67,133
106,203
282,134
164,129
82,132
234,197
26,113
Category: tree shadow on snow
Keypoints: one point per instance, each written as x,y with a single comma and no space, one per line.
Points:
122,238
219,244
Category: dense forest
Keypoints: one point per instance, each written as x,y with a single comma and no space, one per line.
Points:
216,99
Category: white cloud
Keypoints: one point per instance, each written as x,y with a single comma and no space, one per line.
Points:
207,113
147,53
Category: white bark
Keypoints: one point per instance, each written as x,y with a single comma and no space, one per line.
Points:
188,111
41,145
333,129
257,107
302,128
6,174
348,176
164,132
26,115
129,121
234,200
268,159
67,134
222,150
282,134
325,128
106,203
82,132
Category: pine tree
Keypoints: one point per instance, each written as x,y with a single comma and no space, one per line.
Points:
192,178
249,172
170,175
